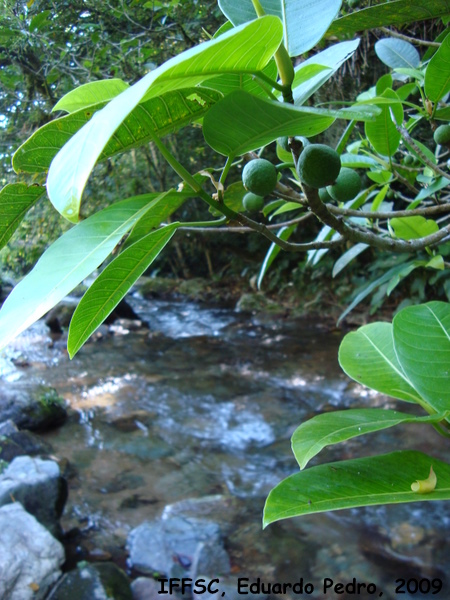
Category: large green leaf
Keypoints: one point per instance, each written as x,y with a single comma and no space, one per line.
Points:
397,12
90,94
305,23
332,428
368,356
113,284
411,228
244,49
15,200
241,122
397,53
422,344
437,75
161,115
228,82
384,479
382,132
68,261
332,58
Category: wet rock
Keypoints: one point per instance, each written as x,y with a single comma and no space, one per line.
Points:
34,407
37,484
256,303
19,443
158,546
99,581
215,508
228,588
133,421
144,588
30,558
210,559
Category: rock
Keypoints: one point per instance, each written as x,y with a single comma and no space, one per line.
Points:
34,407
210,559
30,558
144,588
213,507
37,484
97,581
19,443
256,303
158,546
229,588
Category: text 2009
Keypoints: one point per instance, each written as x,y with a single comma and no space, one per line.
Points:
422,586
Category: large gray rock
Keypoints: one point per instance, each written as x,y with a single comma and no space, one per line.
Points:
15,442
30,558
37,484
158,546
98,581
31,406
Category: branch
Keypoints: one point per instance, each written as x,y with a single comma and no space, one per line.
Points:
405,135
427,211
409,39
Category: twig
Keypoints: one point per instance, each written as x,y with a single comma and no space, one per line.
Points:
428,210
409,39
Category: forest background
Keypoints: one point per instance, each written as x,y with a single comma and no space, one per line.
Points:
49,48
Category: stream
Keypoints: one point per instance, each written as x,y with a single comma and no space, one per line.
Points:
201,406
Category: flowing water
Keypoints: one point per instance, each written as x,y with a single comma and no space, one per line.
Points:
201,406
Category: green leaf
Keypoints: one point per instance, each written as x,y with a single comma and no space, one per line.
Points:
397,53
241,122
245,49
384,479
411,228
161,115
381,177
15,200
305,23
347,257
91,94
422,344
228,82
437,75
113,284
358,161
40,20
67,262
382,132
426,192
398,12
332,57
341,425
368,356
284,234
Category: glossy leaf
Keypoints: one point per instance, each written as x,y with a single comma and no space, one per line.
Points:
67,262
341,425
384,479
397,12
397,53
410,228
161,115
368,356
15,200
422,344
332,57
358,161
90,94
245,49
305,23
241,122
113,284
381,132
437,75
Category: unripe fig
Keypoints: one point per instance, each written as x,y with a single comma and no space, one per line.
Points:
318,165
346,186
260,176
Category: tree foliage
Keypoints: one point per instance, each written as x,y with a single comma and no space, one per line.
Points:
242,90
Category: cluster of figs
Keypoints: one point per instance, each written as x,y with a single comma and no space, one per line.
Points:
318,166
